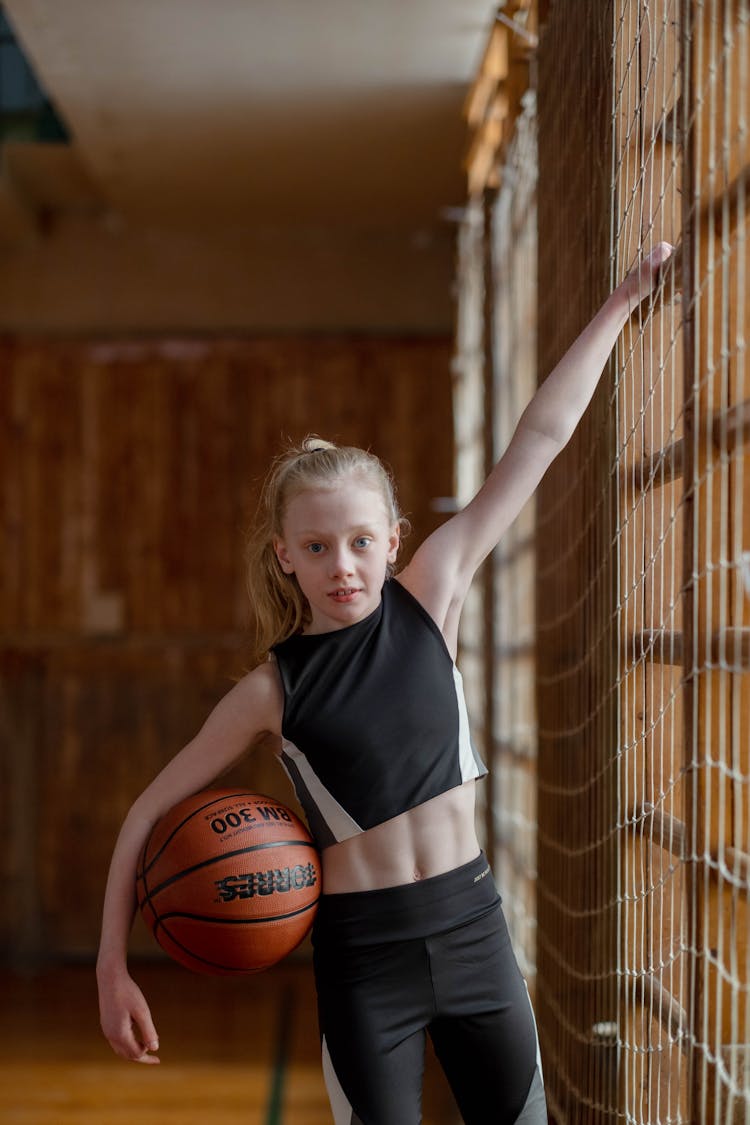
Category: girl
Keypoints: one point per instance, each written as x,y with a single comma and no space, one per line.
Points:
357,683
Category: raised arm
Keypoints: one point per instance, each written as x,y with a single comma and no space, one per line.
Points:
442,568
251,708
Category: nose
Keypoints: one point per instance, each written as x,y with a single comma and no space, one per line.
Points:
341,562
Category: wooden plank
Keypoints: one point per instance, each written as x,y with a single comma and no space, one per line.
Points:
667,1009
493,69
119,457
730,429
662,646
656,469
663,828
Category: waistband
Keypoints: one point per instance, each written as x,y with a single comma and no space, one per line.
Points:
410,910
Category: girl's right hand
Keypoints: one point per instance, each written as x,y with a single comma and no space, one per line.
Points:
643,278
126,1019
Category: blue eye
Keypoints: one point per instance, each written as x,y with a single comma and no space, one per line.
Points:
362,541
315,548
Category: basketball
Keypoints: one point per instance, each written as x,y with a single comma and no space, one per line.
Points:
228,882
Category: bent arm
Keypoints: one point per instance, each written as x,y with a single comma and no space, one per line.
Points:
247,711
442,568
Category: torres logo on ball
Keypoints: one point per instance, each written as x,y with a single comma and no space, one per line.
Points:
267,882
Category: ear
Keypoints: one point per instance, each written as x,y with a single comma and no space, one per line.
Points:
394,542
283,556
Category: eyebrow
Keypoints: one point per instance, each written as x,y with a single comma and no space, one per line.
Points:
348,530
364,525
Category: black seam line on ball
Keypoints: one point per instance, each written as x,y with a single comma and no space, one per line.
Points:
205,960
232,921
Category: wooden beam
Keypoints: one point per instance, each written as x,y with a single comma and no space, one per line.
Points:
529,40
661,467
493,70
661,646
496,92
665,1007
670,833
519,751
661,828
731,428
483,152
730,647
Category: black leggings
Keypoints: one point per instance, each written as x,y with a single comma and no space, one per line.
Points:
428,957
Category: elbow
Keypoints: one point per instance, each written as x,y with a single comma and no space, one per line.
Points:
549,432
141,817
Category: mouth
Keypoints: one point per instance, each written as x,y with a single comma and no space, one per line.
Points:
344,594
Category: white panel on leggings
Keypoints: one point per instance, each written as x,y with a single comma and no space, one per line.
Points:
340,1106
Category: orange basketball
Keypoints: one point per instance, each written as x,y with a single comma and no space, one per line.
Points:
228,882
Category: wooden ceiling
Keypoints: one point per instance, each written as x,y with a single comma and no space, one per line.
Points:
251,114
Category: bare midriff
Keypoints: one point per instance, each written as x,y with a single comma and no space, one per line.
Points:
428,840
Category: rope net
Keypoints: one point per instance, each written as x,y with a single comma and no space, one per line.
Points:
613,697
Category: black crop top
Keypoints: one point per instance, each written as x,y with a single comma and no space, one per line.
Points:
374,719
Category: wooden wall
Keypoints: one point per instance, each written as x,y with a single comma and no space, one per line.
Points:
128,473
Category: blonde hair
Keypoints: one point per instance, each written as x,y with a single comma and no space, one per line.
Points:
278,604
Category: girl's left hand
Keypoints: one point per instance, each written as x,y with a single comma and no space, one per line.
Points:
125,1018
644,277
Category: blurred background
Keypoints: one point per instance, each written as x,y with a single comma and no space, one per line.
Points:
225,226
221,227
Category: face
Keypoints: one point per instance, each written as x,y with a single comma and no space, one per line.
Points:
338,541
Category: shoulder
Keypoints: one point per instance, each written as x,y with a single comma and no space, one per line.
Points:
432,599
264,679
265,683
259,696
427,586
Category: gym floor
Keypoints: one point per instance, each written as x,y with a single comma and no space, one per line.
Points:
232,1051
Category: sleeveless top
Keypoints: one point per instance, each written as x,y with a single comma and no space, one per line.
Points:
374,719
